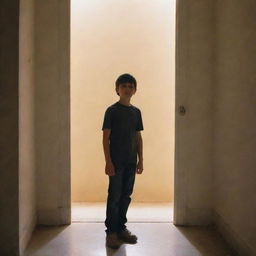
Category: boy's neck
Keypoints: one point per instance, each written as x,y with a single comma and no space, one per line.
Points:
125,102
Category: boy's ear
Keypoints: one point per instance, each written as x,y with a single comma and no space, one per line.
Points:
117,90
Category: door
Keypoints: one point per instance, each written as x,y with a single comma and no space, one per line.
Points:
193,117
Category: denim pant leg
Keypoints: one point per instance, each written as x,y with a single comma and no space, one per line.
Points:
128,184
119,191
114,194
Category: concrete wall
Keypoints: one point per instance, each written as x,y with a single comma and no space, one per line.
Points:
9,84
144,46
194,130
27,192
52,111
234,123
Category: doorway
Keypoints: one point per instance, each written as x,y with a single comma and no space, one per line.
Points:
193,131
107,39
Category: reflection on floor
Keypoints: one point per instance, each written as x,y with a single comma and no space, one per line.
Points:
138,212
155,239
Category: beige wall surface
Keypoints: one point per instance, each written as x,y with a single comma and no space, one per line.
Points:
235,122
194,130
27,195
109,38
52,111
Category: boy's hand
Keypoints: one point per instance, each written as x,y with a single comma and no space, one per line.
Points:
110,169
139,167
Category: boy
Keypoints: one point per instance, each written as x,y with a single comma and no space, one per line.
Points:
122,142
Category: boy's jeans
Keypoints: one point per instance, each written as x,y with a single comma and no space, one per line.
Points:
119,192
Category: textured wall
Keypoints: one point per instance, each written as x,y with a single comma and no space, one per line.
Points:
235,122
9,85
27,193
194,133
106,42
52,111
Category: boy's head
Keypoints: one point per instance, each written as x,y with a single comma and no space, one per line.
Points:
125,78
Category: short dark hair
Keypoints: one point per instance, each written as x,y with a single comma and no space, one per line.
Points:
126,78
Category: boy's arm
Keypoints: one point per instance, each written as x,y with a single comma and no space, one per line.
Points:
140,153
109,168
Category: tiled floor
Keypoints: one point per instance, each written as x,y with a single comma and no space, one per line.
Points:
157,238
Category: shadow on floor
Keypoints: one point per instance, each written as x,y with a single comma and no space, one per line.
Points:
204,239
46,234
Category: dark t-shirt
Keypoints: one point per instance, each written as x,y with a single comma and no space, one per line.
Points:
124,122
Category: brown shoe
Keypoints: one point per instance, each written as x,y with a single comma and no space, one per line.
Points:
127,237
112,241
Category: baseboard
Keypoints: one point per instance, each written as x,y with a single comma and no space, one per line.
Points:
236,242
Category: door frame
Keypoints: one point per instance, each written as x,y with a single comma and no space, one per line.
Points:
56,207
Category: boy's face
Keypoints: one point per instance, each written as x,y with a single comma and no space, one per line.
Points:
126,90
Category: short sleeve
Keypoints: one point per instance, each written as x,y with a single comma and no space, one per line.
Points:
107,119
139,123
